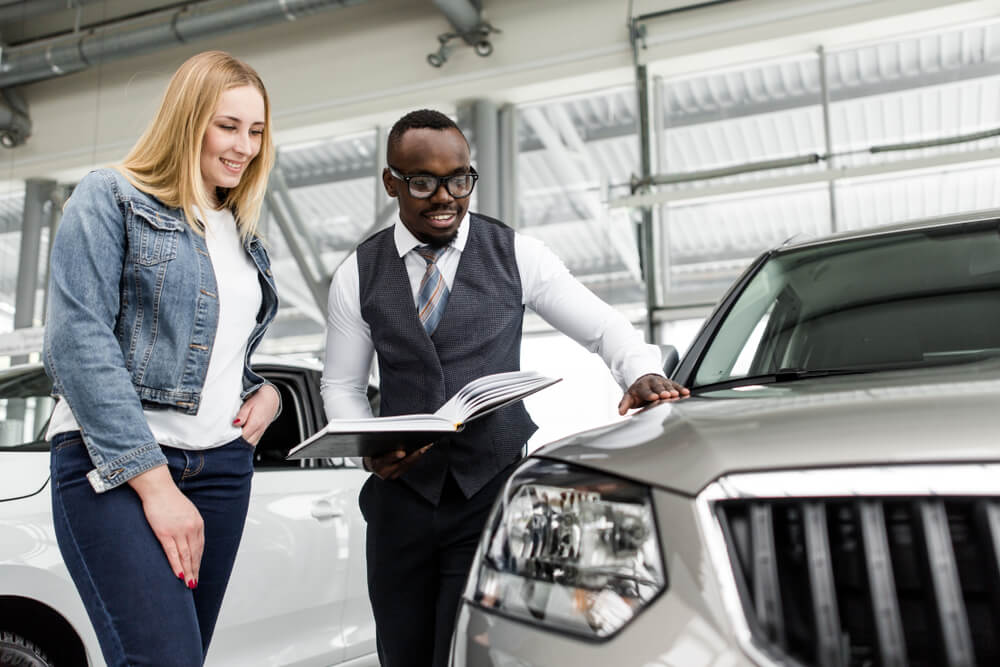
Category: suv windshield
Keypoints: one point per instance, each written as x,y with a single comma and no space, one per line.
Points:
898,300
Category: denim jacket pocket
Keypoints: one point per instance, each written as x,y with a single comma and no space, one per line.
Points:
154,235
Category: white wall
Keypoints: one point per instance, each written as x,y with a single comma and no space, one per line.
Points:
346,69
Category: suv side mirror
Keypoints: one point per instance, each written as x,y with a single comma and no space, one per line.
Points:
670,359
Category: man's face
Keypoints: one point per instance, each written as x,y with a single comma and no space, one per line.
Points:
424,151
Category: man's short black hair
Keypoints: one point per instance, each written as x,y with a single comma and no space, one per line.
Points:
420,119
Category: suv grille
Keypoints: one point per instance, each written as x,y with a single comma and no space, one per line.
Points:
848,581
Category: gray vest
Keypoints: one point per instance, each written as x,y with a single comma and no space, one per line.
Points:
479,334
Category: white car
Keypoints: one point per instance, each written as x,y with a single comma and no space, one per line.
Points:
297,595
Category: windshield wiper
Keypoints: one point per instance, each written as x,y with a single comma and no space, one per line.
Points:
782,375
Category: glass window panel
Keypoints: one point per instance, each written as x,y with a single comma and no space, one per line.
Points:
332,185
574,154
911,196
708,243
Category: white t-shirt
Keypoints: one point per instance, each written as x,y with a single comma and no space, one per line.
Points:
239,301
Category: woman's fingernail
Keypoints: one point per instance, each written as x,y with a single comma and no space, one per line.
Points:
236,421
192,583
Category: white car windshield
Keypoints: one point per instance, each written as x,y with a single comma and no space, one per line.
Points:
898,300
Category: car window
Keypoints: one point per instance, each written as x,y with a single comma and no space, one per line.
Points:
25,407
894,301
296,422
284,432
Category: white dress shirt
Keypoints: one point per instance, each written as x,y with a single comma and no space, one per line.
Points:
547,287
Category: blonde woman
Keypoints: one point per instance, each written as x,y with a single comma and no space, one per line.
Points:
160,291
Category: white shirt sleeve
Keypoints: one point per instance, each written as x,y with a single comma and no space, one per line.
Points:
349,348
550,290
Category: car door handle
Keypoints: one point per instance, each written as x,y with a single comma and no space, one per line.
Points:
322,509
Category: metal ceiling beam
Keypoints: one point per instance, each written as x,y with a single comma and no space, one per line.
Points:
958,158
58,56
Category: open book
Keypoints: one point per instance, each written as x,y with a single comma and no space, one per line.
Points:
376,435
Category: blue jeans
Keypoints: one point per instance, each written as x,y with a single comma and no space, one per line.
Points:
142,613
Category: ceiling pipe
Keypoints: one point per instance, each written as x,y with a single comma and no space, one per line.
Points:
15,11
464,16
46,59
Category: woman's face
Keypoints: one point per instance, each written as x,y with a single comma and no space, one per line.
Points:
233,138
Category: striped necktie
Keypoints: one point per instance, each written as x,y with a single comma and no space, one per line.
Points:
432,296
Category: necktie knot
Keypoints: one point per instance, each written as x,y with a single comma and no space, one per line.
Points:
430,253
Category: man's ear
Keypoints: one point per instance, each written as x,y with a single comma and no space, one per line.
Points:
389,183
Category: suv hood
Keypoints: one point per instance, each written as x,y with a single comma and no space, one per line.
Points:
22,474
914,416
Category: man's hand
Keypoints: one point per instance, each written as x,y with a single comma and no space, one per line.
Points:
393,464
649,388
257,413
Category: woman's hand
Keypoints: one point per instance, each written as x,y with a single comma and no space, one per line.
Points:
257,413
175,522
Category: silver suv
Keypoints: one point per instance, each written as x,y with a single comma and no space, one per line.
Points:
829,495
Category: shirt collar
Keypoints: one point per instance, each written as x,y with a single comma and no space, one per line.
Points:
406,241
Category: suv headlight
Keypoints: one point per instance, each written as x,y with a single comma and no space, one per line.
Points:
569,549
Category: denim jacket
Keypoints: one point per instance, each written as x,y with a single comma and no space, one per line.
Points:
131,320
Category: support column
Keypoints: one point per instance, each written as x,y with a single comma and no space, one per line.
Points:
37,193
37,205
57,199
828,136
507,174
646,235
485,132
661,214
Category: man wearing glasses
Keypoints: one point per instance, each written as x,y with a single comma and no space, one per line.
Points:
440,299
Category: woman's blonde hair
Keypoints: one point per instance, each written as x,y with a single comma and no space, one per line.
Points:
166,160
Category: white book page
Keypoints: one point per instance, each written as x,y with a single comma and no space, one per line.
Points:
397,423
493,390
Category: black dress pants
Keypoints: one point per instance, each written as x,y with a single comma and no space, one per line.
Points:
418,561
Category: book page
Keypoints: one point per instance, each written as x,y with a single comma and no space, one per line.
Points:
491,392
418,422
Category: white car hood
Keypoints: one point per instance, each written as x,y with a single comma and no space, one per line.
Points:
931,415
22,474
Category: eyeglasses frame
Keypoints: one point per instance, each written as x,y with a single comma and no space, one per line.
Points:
440,180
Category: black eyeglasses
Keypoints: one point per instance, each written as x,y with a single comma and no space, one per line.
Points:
423,186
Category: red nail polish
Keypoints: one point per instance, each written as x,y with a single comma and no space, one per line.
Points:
181,576
236,421
191,584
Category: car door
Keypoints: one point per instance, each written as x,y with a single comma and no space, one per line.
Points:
294,583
